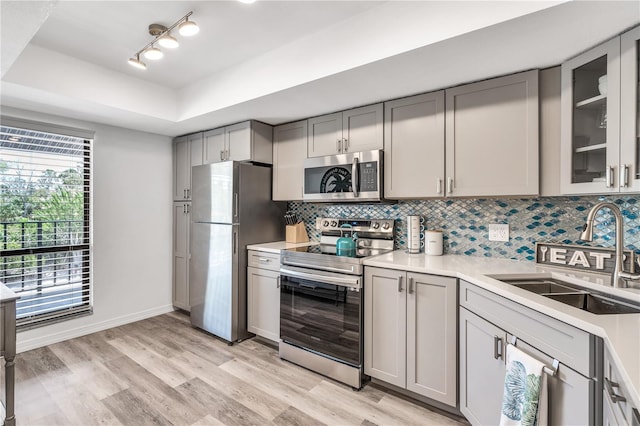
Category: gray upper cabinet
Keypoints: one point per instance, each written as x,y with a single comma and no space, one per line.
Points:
414,147
325,135
181,168
492,137
214,146
600,134
246,141
630,111
358,129
289,152
590,150
187,152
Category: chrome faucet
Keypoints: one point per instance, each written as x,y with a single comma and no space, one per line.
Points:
619,276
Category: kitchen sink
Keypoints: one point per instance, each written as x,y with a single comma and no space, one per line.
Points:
574,295
542,285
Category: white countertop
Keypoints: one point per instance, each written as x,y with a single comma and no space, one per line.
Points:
277,246
621,333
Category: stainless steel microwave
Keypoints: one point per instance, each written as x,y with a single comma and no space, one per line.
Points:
353,177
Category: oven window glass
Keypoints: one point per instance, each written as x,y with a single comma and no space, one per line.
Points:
321,317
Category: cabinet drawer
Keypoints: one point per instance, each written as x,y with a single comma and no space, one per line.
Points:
261,259
569,345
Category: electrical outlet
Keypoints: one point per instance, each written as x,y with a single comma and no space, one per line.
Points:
499,232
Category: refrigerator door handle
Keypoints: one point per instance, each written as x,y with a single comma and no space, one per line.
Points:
235,243
235,205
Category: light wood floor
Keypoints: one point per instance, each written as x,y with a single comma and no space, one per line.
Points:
162,371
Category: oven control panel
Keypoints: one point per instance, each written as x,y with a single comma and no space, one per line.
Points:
361,226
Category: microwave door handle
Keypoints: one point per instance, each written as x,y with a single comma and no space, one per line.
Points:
354,177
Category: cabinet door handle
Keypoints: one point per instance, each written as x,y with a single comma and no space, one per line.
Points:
497,347
449,185
345,145
410,286
278,282
624,176
609,177
184,193
355,177
221,155
188,193
188,209
400,284
264,260
615,398
338,145
184,209
438,186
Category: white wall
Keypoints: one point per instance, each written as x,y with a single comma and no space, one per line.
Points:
132,230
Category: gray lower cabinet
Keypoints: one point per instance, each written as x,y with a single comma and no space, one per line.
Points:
263,295
487,324
410,332
289,153
617,407
482,369
181,229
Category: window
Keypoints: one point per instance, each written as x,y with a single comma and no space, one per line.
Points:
44,222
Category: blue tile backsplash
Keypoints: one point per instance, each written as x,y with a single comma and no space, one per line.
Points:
464,222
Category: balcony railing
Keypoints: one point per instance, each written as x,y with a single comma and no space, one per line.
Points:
46,263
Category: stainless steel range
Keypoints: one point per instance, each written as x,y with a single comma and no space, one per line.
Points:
321,299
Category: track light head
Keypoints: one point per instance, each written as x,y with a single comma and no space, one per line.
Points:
137,63
188,28
168,41
153,53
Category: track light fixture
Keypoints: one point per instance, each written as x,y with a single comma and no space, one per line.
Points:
162,36
136,62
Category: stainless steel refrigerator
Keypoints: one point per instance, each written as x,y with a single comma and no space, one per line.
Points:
231,208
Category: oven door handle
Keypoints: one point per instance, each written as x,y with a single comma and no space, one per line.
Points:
327,268
344,282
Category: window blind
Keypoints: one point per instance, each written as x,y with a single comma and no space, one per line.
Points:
45,223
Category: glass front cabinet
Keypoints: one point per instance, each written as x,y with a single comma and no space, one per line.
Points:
600,118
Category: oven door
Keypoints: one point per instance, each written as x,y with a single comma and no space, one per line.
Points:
345,177
322,312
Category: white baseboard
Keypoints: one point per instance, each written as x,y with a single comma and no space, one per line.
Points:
49,339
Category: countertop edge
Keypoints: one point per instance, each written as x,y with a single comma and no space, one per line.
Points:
277,246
